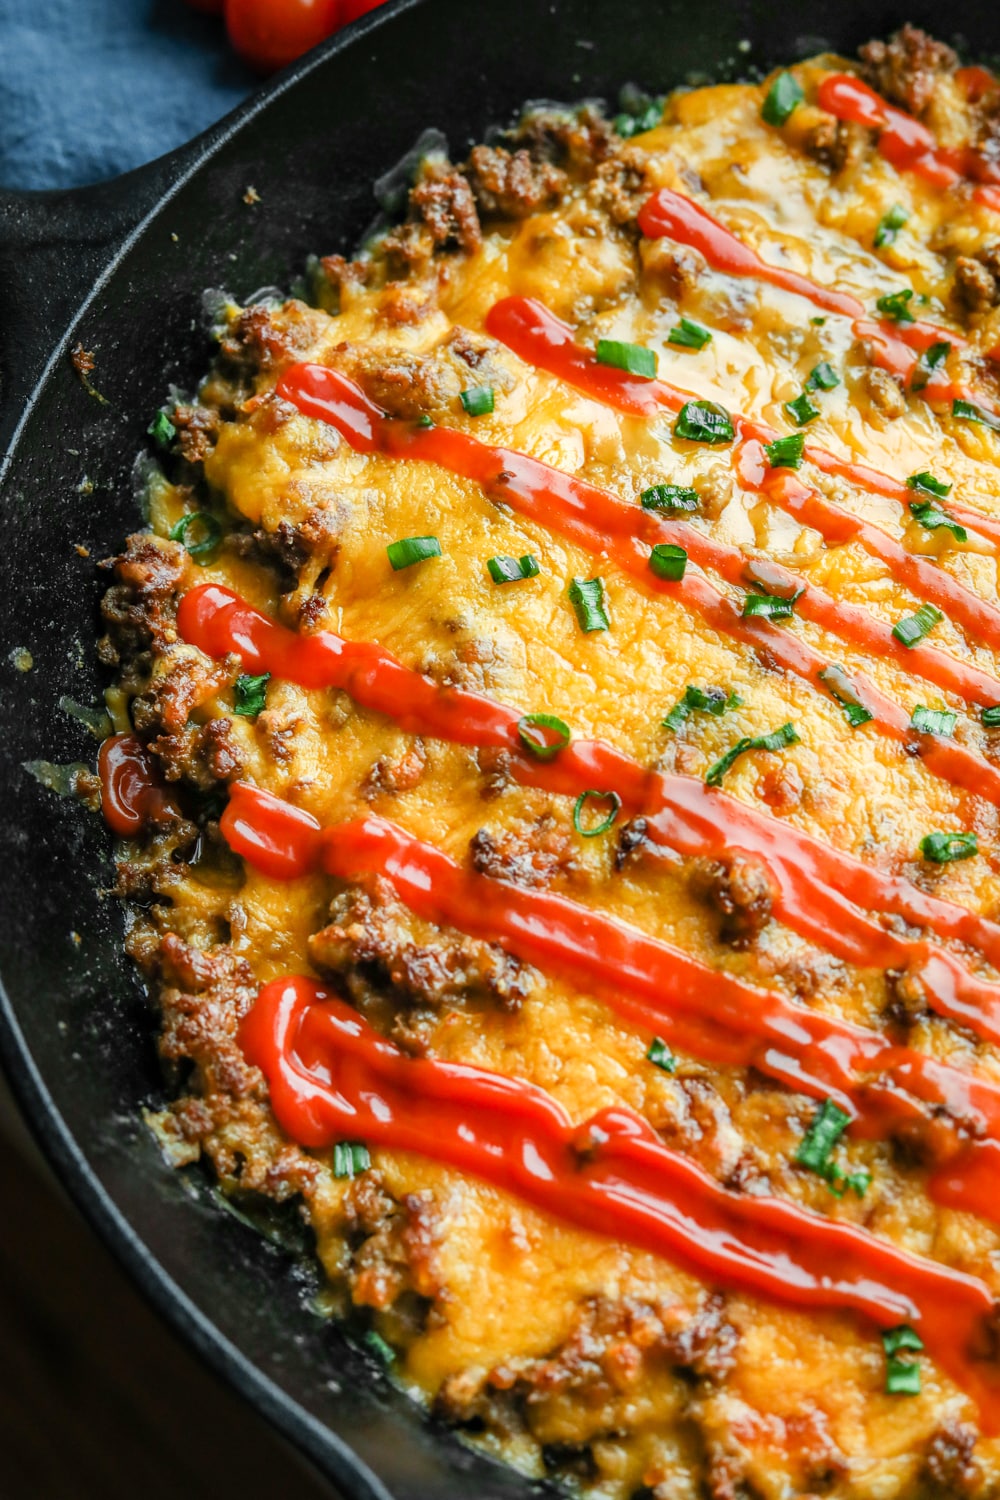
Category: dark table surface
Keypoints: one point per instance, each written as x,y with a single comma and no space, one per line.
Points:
98,1399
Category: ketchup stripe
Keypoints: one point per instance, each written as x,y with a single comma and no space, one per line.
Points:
648,982
331,1077
907,144
818,890
540,339
602,523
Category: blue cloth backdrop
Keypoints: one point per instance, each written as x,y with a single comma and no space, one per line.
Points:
90,88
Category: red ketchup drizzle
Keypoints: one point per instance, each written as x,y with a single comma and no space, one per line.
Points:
603,523
910,146
132,790
540,338
818,889
331,1077
650,983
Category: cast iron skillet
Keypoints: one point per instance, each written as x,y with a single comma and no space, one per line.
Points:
137,253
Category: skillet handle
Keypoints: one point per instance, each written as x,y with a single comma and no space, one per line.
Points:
53,247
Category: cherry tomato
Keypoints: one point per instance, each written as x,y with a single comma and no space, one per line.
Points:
268,34
350,10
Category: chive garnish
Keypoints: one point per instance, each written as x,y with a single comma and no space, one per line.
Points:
704,422
782,97
543,735
889,225
902,1376
660,1055
912,629
250,694
634,358
837,682
768,607
896,306
639,112
605,823
201,548
350,1158
410,550
711,700
587,598
425,421
477,400
925,481
801,410
786,452
689,335
823,377
512,569
933,721
669,497
668,561
162,430
931,359
933,518
816,1146
817,322
968,411
991,717
378,1346
778,739
945,848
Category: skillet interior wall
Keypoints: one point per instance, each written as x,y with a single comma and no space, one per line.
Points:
312,153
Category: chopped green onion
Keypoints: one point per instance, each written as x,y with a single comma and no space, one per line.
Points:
912,629
162,430
587,598
816,1146
801,410
412,549
640,112
350,1158
377,1344
991,717
933,518
903,1337
211,534
946,848
933,721
669,497
543,735
823,377
668,561
478,400
968,411
769,606
902,1376
817,322
425,421
634,358
889,225
512,569
689,335
605,823
778,739
782,97
786,452
896,305
931,359
704,422
711,700
660,1055
249,694
842,688
925,481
